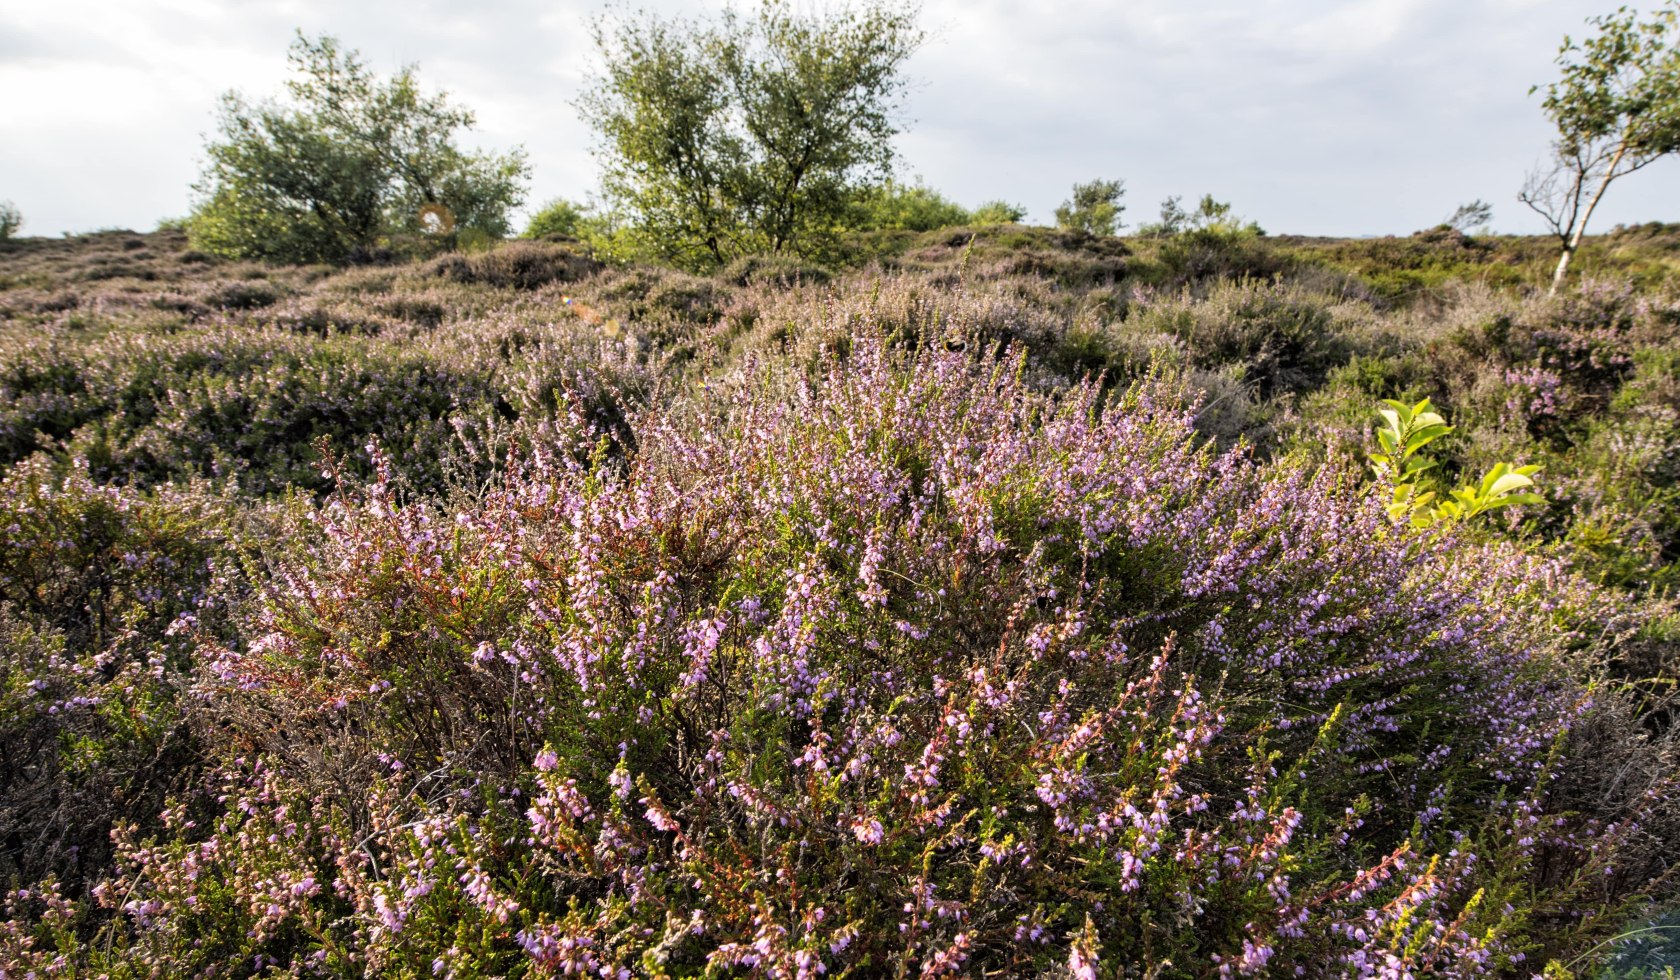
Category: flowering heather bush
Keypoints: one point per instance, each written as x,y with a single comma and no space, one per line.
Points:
910,668
1286,339
98,589
521,265
252,403
777,630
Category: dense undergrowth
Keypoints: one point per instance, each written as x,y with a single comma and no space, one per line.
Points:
1017,602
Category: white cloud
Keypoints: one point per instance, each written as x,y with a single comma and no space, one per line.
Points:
1316,116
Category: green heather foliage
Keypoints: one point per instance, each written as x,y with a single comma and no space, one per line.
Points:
351,165
1017,602
96,587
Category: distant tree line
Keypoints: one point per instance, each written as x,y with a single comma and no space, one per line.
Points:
767,131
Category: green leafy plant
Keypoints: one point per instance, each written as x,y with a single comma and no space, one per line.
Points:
1416,500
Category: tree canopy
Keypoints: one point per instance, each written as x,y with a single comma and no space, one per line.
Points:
748,133
348,164
1616,109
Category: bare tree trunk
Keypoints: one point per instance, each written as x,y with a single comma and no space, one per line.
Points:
1562,266
1574,242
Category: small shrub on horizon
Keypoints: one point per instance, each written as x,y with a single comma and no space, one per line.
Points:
998,213
1210,219
1094,208
1469,217
11,220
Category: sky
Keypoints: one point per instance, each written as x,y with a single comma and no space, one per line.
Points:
1314,117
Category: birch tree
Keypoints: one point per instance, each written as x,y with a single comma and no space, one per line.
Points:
1617,110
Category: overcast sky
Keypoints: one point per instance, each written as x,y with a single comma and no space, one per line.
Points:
1328,117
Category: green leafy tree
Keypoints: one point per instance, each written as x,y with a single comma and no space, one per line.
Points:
893,206
1617,110
751,133
557,217
348,164
1094,208
11,219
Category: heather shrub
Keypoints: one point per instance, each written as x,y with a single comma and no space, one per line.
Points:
906,666
1073,271
667,625
101,590
1423,267
43,397
773,269
516,265
1071,259
916,309
1618,503
1211,255
658,296
243,296
322,317
252,405
1285,339
254,409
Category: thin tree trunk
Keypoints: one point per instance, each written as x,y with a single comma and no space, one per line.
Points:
1574,242
1562,266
